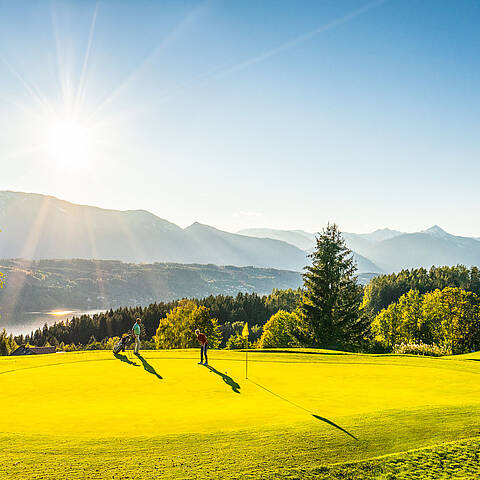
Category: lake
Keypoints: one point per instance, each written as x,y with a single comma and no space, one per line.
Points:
24,323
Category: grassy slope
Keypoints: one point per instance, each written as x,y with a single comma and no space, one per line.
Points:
90,415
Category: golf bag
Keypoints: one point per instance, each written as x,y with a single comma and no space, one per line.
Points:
123,343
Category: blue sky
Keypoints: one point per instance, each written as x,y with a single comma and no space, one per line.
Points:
240,114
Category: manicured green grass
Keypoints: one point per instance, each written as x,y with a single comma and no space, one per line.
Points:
309,414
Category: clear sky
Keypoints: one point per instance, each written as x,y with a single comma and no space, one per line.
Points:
283,114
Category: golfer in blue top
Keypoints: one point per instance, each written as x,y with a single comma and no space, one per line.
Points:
136,333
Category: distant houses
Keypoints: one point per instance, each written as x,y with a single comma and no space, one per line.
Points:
24,350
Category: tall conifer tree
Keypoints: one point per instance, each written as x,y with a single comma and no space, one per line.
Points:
332,296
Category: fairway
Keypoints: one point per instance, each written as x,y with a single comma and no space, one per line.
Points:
297,412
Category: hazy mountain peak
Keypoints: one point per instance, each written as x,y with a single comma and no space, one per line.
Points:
298,238
436,231
382,234
200,226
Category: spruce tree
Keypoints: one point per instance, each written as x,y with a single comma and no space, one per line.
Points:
330,305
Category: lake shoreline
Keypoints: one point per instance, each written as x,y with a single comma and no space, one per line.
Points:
31,321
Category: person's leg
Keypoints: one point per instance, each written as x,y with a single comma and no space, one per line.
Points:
137,343
201,353
205,352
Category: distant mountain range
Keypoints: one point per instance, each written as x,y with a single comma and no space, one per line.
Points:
38,226
390,250
306,241
43,227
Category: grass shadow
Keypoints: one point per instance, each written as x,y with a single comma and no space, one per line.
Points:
148,368
302,352
228,380
123,358
326,420
318,417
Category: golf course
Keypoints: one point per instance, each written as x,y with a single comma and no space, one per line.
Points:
300,414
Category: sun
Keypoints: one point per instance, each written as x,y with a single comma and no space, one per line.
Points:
65,131
68,140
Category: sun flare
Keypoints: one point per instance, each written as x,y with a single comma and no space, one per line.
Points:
68,140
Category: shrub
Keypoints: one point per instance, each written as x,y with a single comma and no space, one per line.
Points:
70,348
421,349
110,343
375,347
94,346
237,341
148,345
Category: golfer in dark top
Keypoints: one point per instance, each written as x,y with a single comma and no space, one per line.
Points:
202,340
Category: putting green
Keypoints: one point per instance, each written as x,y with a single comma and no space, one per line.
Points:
364,405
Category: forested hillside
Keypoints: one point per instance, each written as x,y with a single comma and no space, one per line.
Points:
87,284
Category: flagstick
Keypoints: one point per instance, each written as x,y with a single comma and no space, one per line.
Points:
245,334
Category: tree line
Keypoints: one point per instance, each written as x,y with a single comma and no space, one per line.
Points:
387,289
230,312
449,318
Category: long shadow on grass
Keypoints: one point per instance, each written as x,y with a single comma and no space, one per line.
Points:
148,368
303,352
123,358
326,420
322,419
228,380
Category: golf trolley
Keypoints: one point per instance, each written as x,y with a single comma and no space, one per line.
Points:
123,343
